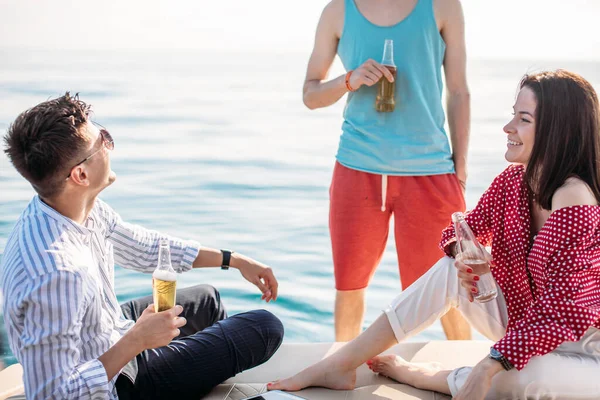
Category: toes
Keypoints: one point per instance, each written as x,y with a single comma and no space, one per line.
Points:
287,384
371,364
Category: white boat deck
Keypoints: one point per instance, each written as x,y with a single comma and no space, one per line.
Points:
293,357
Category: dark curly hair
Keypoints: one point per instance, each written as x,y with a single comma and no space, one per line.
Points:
44,140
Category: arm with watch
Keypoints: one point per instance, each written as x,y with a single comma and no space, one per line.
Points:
253,271
479,381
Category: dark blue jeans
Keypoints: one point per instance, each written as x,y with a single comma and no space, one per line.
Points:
210,349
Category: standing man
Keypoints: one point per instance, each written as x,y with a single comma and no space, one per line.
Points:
398,163
63,320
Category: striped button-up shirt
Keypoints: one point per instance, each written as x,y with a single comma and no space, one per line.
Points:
60,307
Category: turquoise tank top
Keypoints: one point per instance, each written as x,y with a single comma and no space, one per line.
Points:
411,140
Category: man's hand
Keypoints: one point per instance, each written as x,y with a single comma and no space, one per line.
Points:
255,272
258,274
369,73
479,381
154,329
150,331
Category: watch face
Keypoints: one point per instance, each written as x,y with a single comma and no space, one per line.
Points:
495,353
497,356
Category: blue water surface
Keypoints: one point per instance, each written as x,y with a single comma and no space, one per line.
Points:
218,147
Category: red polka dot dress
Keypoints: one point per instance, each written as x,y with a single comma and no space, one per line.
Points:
551,286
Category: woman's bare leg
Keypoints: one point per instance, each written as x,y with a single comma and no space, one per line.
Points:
427,376
419,305
338,371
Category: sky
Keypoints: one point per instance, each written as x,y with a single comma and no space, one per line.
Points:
536,29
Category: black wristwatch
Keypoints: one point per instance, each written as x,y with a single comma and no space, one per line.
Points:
496,355
226,259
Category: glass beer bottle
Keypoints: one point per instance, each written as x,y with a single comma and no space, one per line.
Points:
164,279
473,254
386,90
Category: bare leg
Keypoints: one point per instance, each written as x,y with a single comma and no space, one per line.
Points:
430,297
338,371
426,376
349,313
455,326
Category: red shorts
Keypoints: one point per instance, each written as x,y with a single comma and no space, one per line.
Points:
422,207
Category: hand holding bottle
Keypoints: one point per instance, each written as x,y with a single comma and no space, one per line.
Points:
467,275
156,329
473,263
369,73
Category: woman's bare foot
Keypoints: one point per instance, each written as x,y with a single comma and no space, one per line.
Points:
323,374
398,369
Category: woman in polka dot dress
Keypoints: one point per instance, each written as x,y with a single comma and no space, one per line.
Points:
541,218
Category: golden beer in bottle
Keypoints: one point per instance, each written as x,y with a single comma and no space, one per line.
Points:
386,90
164,279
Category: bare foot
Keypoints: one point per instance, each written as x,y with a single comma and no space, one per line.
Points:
323,374
398,369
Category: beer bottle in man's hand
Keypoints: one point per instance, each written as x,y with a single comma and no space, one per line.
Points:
386,90
164,279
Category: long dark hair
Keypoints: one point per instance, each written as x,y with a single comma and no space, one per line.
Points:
567,134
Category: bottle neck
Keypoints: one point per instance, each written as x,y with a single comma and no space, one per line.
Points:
388,60
388,54
164,259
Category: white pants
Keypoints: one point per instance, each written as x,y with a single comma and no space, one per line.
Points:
572,371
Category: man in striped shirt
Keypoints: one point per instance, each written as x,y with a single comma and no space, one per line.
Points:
57,275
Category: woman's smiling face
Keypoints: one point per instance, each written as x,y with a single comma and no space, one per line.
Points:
521,128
